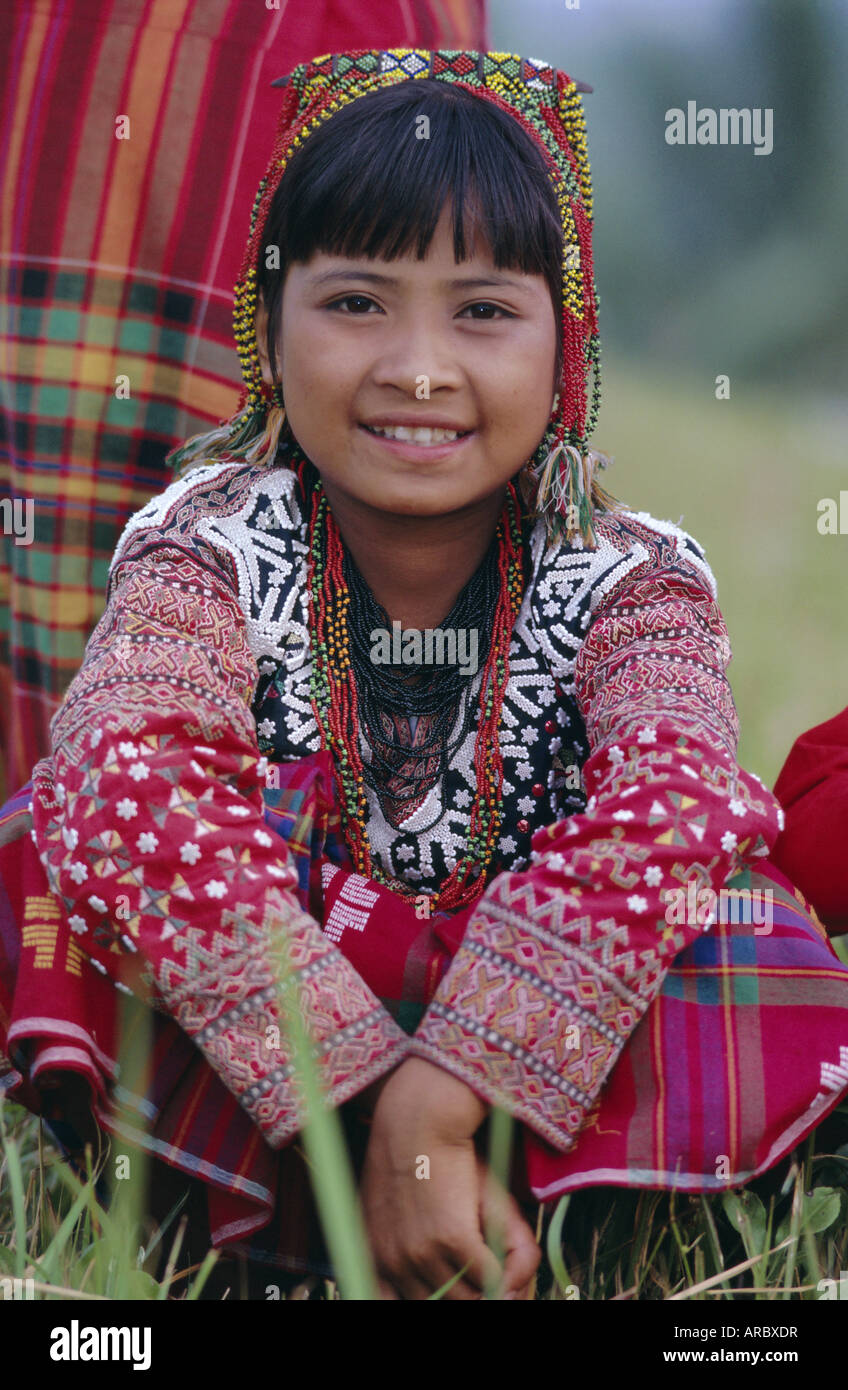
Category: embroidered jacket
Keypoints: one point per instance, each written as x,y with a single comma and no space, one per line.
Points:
620,783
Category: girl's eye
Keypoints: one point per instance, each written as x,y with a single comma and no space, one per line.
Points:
360,303
489,311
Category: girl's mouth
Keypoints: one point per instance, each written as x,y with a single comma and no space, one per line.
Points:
418,440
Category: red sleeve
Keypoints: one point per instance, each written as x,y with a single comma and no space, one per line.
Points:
149,820
560,962
813,848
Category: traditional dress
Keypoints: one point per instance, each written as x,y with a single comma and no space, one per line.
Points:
189,820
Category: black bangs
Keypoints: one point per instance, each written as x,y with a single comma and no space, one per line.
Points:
372,181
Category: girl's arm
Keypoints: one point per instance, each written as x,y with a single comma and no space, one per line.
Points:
560,962
150,826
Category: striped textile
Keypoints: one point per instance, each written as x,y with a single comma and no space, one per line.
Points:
117,258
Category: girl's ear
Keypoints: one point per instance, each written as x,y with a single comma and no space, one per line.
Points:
261,324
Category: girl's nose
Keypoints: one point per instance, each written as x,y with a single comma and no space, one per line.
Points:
419,360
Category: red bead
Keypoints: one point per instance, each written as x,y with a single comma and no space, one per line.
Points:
537,789
550,726
524,827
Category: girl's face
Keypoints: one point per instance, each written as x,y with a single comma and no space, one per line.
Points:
369,345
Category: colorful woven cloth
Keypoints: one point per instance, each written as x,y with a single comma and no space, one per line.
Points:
119,247
718,1082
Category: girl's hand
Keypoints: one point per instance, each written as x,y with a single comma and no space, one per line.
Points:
424,1229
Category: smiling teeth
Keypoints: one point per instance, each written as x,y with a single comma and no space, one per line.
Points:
419,435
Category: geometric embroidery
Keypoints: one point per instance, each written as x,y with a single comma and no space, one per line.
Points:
352,908
42,919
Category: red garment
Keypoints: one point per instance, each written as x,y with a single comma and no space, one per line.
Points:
813,847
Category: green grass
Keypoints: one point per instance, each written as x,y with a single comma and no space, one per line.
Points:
774,1240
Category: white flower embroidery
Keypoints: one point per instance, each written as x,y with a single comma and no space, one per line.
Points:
127,808
615,754
266,728
653,876
261,767
71,837
526,805
240,810
78,871
737,808
405,853
462,798
139,772
147,843
524,770
623,815
97,903
529,734
637,904
127,750
646,735
262,838
267,668
216,889
729,841
189,853
77,924
507,844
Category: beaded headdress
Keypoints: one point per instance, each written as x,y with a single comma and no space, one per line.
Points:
559,480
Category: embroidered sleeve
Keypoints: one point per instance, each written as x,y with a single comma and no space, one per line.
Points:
149,822
560,962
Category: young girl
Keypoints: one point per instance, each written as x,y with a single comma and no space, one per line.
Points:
498,880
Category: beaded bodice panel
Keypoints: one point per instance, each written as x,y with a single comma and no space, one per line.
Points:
250,519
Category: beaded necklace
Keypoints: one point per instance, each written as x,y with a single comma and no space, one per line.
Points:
434,694
335,702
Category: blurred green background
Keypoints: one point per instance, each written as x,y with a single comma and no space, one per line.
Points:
713,260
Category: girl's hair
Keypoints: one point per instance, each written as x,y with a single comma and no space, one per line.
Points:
373,180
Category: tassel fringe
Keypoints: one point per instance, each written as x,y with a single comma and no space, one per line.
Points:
565,491
251,435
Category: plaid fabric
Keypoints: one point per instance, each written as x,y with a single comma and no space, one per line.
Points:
117,258
719,1081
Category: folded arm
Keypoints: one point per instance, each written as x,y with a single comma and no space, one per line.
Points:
149,822
559,963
